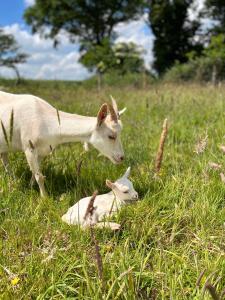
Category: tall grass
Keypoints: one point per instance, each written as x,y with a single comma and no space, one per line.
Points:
173,234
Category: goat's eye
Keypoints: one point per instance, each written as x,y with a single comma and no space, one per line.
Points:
111,137
126,192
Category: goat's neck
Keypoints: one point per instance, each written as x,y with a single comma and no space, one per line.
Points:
116,201
74,128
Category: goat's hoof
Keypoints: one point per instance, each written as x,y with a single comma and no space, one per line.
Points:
115,227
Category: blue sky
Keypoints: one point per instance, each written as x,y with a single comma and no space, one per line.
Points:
45,62
11,13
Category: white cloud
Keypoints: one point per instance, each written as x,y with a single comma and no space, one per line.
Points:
139,33
195,8
45,62
205,22
29,2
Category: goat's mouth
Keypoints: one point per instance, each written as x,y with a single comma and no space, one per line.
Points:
131,201
115,160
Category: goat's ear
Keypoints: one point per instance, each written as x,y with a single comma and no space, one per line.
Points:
102,114
109,184
122,111
114,104
113,113
127,173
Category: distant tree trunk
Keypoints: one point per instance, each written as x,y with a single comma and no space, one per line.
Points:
17,75
99,81
144,79
214,74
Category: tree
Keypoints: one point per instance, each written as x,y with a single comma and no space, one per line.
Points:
215,9
216,52
119,57
174,32
99,56
9,53
90,20
128,58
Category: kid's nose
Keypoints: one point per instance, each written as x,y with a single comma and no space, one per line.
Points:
135,196
122,157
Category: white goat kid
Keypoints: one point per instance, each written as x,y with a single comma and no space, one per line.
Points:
31,125
105,205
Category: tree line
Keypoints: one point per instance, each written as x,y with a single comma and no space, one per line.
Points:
178,38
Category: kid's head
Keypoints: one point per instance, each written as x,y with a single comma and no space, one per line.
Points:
123,188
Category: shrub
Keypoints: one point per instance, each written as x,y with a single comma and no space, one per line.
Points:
199,69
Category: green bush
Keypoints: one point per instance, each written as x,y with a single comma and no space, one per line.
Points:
199,69
115,79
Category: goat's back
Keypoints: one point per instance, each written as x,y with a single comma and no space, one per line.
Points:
29,116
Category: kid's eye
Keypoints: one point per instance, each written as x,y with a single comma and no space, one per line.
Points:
111,137
126,192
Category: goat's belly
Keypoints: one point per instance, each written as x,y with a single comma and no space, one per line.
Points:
9,141
44,146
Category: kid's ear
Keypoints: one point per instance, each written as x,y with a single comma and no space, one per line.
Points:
102,114
109,184
127,173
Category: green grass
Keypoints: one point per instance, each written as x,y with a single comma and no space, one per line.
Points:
169,237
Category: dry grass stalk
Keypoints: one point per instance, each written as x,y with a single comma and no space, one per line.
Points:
58,117
201,145
79,165
222,147
215,166
11,126
51,149
98,257
159,156
222,295
222,176
5,134
211,289
31,145
200,278
90,208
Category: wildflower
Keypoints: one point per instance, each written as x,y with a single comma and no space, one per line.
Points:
15,281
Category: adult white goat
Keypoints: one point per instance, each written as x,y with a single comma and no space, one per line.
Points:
31,125
104,205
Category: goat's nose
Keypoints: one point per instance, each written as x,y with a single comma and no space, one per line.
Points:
122,157
136,196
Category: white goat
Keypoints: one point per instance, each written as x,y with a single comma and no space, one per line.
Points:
31,125
104,205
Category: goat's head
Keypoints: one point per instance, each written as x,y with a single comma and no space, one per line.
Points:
123,188
106,136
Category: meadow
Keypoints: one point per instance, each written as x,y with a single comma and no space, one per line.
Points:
172,242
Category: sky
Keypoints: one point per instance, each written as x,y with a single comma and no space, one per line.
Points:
45,62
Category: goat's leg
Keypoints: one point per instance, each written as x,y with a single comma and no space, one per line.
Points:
113,226
32,180
5,162
32,159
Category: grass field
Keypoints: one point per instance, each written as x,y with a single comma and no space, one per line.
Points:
176,230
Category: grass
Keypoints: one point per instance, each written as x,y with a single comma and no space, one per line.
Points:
173,234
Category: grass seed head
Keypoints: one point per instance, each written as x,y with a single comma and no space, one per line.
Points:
159,155
201,145
90,208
